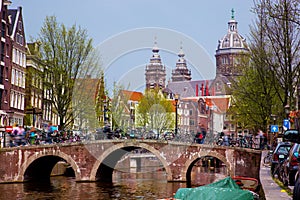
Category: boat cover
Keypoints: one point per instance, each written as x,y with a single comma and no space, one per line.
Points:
225,189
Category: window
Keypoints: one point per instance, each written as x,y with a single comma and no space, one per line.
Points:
16,101
232,127
191,112
12,99
23,102
19,101
192,122
20,25
224,60
23,80
24,60
13,76
36,100
17,78
21,58
14,56
32,98
21,40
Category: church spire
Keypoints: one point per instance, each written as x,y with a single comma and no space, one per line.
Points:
181,72
155,70
232,14
232,24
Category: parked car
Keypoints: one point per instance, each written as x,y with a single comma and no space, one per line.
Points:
290,166
296,190
291,135
279,155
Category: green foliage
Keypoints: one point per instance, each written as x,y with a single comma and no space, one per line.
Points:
254,98
101,95
269,81
118,108
155,112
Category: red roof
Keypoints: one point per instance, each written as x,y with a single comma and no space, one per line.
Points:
221,104
132,95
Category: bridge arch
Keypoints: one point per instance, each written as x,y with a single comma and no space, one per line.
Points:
189,163
120,146
54,156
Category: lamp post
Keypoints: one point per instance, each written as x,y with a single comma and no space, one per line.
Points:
104,112
287,112
176,113
273,117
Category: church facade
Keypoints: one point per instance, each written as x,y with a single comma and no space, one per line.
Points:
202,102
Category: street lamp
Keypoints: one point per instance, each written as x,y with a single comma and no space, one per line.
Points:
274,117
287,110
104,112
286,122
176,113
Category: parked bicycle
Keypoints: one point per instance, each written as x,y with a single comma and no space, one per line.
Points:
246,142
268,158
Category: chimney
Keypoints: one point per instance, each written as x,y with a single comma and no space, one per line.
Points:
197,90
206,89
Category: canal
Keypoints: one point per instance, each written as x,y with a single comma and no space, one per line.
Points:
126,185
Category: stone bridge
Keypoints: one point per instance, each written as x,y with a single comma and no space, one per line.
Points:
95,160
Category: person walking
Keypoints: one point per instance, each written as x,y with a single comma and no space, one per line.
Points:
203,133
32,136
260,136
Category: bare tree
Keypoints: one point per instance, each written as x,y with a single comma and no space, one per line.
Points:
282,30
69,55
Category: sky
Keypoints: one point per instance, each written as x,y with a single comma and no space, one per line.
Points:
124,31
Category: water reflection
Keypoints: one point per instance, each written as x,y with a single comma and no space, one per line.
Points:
150,185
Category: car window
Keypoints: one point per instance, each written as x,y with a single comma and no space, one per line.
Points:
283,150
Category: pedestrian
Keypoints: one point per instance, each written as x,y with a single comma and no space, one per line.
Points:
203,132
200,138
32,136
260,136
197,138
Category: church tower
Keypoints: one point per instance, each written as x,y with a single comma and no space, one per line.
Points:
231,50
181,72
155,71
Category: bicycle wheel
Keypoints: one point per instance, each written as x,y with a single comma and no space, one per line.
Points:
267,160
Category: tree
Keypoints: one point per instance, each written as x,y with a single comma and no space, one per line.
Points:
118,107
155,112
282,31
69,55
270,79
101,96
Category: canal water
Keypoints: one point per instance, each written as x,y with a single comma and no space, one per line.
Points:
144,185
124,186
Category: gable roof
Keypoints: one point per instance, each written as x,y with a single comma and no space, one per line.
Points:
13,15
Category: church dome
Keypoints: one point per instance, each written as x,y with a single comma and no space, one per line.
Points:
232,40
232,50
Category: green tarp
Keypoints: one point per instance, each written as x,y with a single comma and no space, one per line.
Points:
225,189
